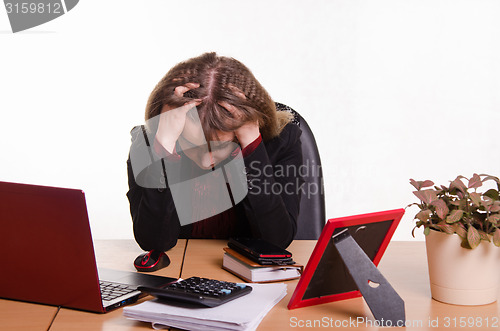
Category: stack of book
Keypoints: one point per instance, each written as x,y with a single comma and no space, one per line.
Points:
253,272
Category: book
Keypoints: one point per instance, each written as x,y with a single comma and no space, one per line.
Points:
242,314
253,272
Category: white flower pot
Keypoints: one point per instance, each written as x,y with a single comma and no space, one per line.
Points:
462,276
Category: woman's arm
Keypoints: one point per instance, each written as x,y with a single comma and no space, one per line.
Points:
155,221
274,187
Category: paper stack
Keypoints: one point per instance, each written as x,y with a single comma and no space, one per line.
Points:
244,313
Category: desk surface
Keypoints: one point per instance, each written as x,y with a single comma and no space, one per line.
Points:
404,265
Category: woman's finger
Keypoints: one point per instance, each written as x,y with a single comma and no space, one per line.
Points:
239,93
230,108
181,89
189,105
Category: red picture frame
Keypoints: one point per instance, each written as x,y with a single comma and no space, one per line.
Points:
389,218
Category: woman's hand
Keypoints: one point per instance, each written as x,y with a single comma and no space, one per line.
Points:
173,120
248,132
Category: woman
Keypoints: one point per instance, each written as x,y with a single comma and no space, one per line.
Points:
204,114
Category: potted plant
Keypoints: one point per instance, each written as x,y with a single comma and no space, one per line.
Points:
461,225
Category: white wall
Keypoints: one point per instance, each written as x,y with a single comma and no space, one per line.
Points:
392,89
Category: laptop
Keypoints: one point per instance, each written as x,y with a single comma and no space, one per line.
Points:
48,254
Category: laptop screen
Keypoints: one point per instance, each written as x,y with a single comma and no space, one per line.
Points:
46,244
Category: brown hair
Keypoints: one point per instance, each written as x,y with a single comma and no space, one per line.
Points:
221,79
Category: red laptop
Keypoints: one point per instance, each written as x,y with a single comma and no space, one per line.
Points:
48,255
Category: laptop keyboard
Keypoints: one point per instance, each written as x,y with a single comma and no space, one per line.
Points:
111,291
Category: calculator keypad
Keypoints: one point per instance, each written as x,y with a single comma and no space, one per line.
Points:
207,287
203,291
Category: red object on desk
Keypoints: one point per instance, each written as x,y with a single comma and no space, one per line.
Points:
325,277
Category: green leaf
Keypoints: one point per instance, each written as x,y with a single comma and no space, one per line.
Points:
426,196
420,184
495,207
455,216
459,203
427,183
483,235
494,219
427,230
446,228
441,208
465,244
488,177
487,201
438,190
460,230
415,184
476,199
458,184
496,238
423,215
492,193
473,237
475,181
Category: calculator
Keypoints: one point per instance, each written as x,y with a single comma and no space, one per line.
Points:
199,291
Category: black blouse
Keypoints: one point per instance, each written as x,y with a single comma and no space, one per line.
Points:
269,210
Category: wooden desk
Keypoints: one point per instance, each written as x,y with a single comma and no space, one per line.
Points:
112,254
15,315
404,265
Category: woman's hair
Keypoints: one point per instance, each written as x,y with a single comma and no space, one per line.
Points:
221,79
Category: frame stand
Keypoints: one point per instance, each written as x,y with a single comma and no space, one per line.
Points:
385,304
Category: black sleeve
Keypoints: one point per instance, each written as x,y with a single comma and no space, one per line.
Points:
274,187
155,221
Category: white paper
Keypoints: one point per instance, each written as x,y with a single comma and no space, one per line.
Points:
244,313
